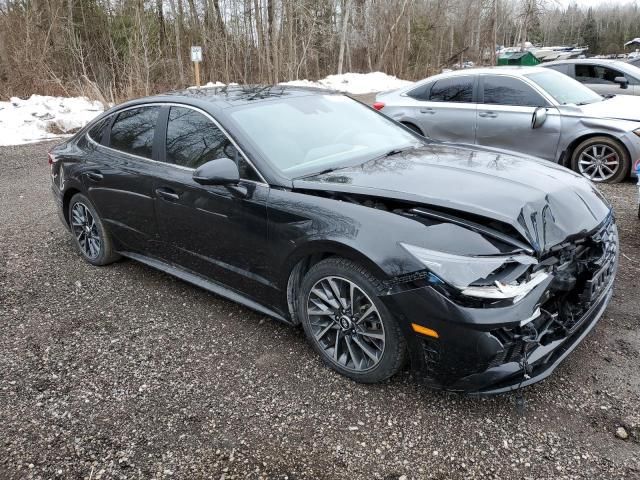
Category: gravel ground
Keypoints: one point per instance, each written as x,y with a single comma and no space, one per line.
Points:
125,372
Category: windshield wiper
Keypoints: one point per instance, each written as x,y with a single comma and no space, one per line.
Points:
396,151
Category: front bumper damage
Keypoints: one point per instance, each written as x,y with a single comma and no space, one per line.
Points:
492,349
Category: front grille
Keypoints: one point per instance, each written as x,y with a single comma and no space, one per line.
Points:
584,270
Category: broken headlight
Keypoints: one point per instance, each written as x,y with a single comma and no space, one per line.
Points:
491,276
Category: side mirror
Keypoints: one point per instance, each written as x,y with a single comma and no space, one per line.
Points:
222,171
622,81
539,117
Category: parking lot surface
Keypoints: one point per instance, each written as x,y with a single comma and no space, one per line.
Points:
125,372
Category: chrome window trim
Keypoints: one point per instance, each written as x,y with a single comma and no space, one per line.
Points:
199,110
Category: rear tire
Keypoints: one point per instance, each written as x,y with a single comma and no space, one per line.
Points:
352,330
601,160
91,238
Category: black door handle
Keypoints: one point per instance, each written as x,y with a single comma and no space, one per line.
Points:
167,194
94,176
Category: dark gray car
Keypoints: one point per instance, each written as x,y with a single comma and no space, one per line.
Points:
606,77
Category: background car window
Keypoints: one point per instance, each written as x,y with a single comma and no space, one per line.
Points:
455,89
562,68
597,74
132,131
193,140
499,90
421,92
97,131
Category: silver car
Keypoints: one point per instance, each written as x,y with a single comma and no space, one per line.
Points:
532,110
606,77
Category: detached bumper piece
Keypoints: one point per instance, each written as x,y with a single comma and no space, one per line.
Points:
486,350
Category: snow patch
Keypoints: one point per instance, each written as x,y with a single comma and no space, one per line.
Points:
355,83
41,117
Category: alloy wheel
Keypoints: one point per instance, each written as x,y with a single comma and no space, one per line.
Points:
85,230
599,162
346,324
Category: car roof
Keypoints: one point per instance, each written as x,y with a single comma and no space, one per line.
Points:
235,95
502,70
585,60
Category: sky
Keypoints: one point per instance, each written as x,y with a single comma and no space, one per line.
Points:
593,3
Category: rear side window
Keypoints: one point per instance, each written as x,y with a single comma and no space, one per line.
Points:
133,130
97,131
561,67
499,90
193,140
454,89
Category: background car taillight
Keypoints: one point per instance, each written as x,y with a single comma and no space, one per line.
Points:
378,105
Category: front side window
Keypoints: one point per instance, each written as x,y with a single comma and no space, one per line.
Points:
133,130
597,74
193,140
565,90
454,89
500,90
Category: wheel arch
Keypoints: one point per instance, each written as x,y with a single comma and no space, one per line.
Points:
303,258
412,125
66,200
565,158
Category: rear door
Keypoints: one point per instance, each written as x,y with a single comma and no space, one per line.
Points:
217,231
505,112
445,109
119,175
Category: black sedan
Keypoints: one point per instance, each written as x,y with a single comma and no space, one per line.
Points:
480,268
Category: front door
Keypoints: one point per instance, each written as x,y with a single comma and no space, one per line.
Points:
505,114
216,231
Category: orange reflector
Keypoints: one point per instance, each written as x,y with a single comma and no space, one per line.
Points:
424,330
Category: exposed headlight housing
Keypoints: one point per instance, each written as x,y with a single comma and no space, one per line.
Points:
466,273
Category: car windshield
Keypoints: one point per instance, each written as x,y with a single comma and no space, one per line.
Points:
315,133
565,90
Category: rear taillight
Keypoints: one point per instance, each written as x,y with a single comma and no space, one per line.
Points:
51,158
378,105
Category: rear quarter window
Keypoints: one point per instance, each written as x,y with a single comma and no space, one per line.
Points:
133,131
97,131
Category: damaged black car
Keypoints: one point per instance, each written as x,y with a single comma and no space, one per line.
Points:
480,269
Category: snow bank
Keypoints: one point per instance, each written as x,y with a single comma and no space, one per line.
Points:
355,83
40,117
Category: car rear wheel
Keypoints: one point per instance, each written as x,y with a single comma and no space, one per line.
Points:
601,160
347,324
91,239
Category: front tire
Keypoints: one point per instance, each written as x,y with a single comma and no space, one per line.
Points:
91,238
347,324
601,160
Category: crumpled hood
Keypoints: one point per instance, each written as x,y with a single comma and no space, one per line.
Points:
544,202
621,107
